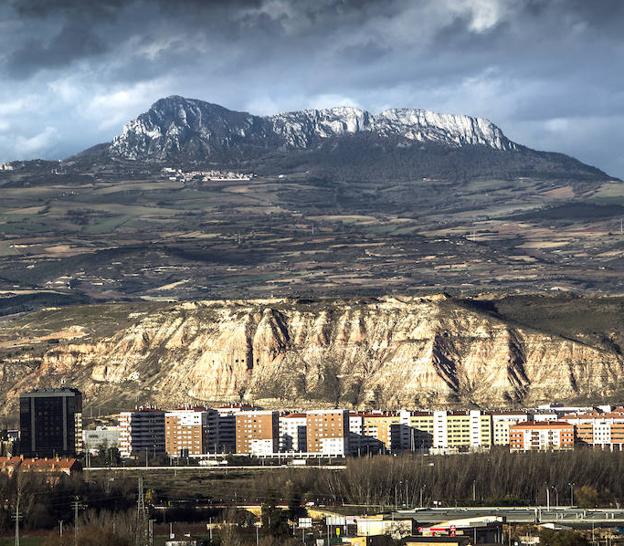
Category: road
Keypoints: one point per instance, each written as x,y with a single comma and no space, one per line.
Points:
209,468
540,514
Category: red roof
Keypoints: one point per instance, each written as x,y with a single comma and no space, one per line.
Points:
53,464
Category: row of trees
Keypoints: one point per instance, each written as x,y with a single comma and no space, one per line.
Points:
592,478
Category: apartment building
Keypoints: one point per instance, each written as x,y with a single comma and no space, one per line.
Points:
142,431
384,428
356,438
595,429
226,427
257,432
191,432
501,424
420,425
461,431
292,432
541,436
544,416
328,432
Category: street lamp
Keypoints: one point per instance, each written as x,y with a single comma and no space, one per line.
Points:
556,495
547,497
571,484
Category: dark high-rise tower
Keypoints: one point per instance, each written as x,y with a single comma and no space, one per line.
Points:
50,422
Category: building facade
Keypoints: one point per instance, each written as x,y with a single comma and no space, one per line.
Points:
142,432
599,430
51,422
541,436
501,424
461,431
328,432
191,432
102,437
292,432
257,432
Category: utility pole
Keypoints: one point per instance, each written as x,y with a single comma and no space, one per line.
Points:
150,532
60,527
142,531
17,517
571,484
474,490
76,505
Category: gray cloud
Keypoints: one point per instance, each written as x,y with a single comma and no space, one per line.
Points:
547,71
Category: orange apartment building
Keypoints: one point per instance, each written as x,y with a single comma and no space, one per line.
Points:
327,432
541,436
257,432
190,432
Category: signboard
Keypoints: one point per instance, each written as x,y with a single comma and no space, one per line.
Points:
305,523
335,520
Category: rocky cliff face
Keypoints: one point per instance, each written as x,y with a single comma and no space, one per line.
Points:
176,126
410,352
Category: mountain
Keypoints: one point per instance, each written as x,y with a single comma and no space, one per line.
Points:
375,352
400,141
176,125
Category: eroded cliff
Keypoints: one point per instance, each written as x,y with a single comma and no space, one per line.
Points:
389,352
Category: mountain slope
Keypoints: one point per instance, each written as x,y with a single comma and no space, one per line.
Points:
411,142
384,352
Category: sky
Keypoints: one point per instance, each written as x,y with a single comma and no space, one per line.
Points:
549,73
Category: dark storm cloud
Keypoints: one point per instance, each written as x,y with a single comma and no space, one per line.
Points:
72,42
548,71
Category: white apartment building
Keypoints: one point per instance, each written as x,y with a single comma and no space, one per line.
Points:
292,432
545,416
501,422
440,436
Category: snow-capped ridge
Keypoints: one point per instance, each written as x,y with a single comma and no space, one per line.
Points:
175,125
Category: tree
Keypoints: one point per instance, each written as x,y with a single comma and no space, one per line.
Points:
274,520
587,497
549,537
295,506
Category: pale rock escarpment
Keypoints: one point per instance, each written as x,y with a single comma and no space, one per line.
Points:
408,352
